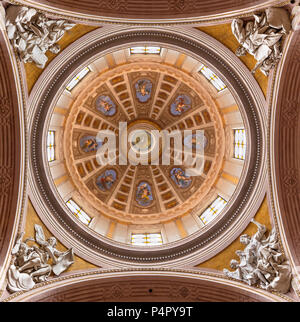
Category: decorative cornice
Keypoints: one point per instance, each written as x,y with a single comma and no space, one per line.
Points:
13,155
207,13
108,279
283,156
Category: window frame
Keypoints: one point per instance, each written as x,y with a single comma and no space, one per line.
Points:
77,78
215,211
80,211
212,79
244,144
51,146
147,238
145,47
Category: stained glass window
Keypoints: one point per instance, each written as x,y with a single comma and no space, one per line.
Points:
213,210
78,212
239,144
77,78
213,78
145,50
146,239
51,146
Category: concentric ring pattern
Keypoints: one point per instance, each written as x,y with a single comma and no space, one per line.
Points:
164,92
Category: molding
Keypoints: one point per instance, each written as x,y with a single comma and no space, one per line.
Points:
285,93
13,153
209,286
210,13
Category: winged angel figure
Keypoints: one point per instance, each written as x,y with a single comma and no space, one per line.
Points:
261,262
31,265
32,34
263,37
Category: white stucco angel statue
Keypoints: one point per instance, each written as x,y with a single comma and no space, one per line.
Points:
31,265
262,37
61,260
32,34
261,262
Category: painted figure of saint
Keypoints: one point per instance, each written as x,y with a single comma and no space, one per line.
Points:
106,180
143,89
179,177
105,105
181,105
144,195
89,144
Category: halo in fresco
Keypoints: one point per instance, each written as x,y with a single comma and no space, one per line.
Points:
181,104
105,105
195,140
143,88
179,177
144,195
89,143
106,180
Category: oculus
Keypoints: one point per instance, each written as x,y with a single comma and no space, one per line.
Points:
180,178
142,141
106,180
90,143
105,105
143,88
144,195
181,105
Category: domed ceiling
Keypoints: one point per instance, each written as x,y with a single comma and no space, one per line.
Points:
137,212
174,86
145,100
167,104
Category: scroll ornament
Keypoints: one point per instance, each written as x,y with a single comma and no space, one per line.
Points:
35,264
261,262
32,34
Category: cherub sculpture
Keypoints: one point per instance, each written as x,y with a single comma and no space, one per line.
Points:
261,262
32,34
31,265
263,37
